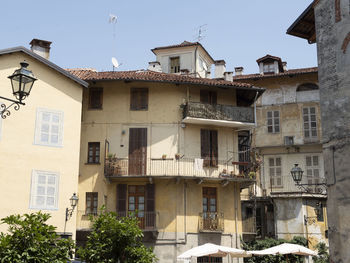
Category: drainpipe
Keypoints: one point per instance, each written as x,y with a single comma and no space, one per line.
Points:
195,61
256,96
236,215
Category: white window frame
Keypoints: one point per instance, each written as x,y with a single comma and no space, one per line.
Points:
273,169
313,171
34,190
39,123
275,121
308,121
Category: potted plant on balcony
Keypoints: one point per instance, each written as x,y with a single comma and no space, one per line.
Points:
177,156
252,175
164,156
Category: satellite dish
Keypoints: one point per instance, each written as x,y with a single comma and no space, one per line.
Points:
115,62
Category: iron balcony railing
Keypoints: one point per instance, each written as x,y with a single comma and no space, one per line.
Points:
148,221
211,222
116,167
218,112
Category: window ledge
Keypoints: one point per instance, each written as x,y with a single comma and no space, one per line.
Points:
92,163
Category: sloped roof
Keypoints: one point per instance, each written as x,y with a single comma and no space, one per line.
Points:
269,57
45,61
183,44
304,25
291,72
245,91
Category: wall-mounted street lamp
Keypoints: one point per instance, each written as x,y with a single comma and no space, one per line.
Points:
297,175
73,202
22,81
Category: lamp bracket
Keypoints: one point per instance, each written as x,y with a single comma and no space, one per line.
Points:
4,110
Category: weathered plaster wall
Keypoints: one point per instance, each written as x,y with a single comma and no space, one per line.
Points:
334,66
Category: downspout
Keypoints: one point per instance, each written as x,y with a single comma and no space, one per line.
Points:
256,97
236,215
195,62
185,210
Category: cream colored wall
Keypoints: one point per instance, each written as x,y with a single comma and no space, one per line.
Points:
19,154
165,135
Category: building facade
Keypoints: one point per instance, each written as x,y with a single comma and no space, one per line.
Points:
164,147
327,23
39,144
288,132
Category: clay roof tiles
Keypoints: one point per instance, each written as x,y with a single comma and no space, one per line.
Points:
147,75
291,72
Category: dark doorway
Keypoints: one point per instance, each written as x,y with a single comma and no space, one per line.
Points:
137,151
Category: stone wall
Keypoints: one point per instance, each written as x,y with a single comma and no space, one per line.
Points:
332,30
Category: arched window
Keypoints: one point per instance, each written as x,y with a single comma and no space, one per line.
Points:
307,87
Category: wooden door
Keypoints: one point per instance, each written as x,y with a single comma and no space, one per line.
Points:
136,203
209,208
137,151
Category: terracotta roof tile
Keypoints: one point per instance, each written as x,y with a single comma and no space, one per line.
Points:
290,72
147,75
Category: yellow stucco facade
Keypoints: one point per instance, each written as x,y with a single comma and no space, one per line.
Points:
36,175
171,150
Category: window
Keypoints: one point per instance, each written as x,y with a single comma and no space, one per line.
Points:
273,121
312,169
209,147
310,124
95,98
94,152
136,202
175,65
209,200
91,203
275,172
288,140
269,68
44,190
139,99
307,87
207,96
49,127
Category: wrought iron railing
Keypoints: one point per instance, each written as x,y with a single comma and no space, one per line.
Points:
211,221
218,112
115,167
148,221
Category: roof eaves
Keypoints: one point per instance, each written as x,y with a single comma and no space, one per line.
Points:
45,61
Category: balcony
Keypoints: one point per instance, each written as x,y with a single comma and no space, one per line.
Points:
148,221
211,222
172,167
219,115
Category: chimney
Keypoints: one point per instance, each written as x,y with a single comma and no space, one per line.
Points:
41,47
284,65
228,76
154,66
220,68
239,71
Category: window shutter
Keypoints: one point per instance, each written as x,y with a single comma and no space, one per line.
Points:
121,199
205,149
133,99
150,206
204,96
144,99
213,98
214,147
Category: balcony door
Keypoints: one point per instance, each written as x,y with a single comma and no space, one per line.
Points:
137,151
210,219
136,203
207,96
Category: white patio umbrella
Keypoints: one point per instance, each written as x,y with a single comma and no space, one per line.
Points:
212,250
284,249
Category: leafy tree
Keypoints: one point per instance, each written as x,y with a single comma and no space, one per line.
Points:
31,240
270,242
115,239
323,256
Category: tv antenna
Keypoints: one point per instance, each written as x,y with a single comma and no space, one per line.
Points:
200,32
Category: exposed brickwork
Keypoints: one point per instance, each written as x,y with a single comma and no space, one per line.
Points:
345,43
337,11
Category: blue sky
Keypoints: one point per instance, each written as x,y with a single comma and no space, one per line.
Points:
237,31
